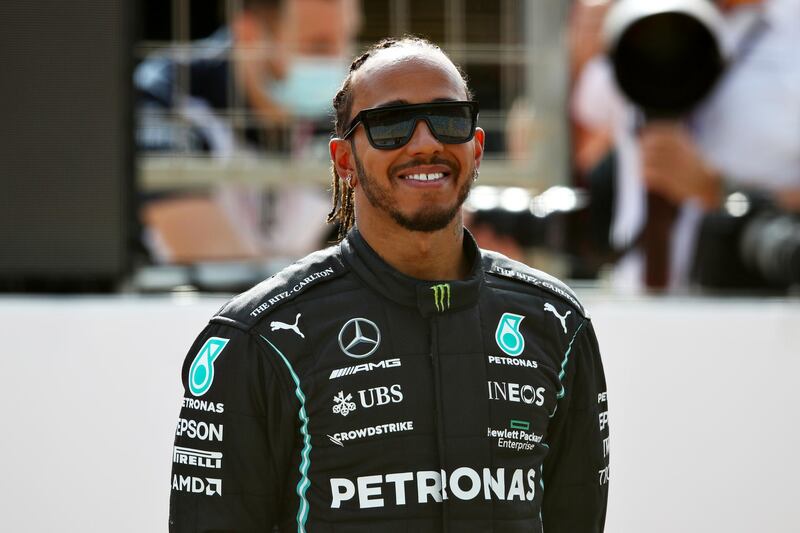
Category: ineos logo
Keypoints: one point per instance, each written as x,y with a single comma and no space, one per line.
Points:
359,338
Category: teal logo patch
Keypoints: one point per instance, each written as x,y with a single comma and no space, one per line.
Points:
520,424
201,373
508,337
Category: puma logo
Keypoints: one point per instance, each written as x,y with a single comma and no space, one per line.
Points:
549,307
275,325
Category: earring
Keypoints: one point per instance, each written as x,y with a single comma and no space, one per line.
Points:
475,175
348,179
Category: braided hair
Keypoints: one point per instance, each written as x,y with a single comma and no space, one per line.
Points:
342,210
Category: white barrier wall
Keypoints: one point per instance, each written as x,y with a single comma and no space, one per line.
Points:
703,398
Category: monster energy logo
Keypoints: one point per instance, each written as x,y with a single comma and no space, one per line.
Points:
441,296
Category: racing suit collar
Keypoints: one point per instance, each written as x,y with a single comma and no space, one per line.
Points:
430,297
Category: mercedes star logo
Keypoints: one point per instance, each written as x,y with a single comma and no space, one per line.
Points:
359,338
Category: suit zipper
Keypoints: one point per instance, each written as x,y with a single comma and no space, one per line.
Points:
438,414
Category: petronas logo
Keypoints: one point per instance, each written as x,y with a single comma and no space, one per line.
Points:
508,336
441,296
201,373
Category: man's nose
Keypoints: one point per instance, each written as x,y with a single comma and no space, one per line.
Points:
423,141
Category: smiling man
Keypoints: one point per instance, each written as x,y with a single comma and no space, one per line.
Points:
402,379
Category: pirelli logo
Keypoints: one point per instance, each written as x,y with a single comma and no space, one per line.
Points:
441,296
365,367
201,458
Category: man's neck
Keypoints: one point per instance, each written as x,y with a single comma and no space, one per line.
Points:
433,255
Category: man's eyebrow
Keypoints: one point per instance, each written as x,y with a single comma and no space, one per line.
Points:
406,102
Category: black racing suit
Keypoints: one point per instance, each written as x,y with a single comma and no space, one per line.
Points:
342,396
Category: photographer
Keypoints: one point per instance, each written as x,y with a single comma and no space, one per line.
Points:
745,136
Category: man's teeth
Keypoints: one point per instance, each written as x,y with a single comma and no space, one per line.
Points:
425,177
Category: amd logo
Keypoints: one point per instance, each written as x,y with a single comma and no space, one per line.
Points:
197,485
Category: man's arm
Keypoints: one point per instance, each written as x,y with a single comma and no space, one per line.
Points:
576,473
233,437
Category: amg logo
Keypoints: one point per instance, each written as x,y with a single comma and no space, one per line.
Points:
366,367
201,458
197,485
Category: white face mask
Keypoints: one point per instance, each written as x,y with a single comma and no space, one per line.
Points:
309,86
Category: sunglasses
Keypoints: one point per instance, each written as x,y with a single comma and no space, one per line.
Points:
391,127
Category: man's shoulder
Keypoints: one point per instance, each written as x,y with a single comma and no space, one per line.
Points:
503,268
250,307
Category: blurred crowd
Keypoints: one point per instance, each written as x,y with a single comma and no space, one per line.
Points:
261,84
685,136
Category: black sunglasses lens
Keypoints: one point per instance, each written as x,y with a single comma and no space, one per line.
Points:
452,124
391,128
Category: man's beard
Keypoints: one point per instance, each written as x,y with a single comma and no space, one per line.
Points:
428,219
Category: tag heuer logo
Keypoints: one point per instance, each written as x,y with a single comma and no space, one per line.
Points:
441,296
359,338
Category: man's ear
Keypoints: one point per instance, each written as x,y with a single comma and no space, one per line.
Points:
343,158
478,140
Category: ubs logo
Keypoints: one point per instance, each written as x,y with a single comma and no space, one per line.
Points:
359,338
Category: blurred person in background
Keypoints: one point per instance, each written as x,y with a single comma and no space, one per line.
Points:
744,136
279,59
550,232
491,234
274,68
352,386
585,43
